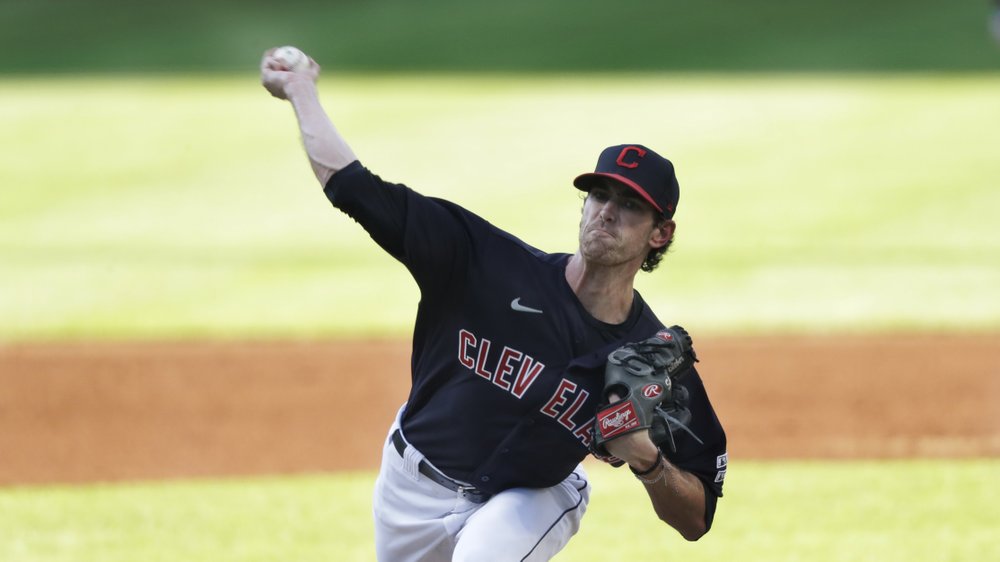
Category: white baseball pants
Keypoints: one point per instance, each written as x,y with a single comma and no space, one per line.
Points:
417,519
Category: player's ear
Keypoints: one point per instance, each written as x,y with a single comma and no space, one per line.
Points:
663,232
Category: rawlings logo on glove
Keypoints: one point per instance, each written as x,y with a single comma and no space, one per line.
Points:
642,375
618,420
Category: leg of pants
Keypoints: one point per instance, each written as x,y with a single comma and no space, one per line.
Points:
417,519
525,523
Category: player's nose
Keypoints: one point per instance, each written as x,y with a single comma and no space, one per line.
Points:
608,211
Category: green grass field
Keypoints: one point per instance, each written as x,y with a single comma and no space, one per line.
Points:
912,511
184,207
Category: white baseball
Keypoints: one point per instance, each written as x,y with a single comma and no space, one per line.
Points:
291,58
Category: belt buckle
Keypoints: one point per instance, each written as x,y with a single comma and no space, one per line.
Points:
471,493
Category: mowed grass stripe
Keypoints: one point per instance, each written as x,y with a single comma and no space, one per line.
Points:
914,511
184,207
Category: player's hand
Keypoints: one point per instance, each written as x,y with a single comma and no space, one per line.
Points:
636,449
279,80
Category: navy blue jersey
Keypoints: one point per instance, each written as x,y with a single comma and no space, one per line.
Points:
507,366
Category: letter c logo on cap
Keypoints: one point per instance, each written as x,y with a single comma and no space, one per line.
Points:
624,153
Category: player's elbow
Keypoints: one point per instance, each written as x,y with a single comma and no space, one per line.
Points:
692,535
691,530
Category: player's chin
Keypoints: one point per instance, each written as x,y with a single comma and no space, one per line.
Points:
600,250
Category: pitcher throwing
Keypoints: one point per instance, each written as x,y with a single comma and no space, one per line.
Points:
510,349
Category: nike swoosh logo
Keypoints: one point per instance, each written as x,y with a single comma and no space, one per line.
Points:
516,305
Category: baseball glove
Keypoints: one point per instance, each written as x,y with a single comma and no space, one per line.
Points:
644,377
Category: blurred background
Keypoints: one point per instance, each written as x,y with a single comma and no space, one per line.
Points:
180,308
46,36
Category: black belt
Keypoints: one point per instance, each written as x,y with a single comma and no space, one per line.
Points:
468,492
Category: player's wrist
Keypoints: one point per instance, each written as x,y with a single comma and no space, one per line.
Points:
298,87
651,467
652,474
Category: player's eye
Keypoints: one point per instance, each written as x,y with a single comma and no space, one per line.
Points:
599,194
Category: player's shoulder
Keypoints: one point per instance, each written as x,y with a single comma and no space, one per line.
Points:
503,241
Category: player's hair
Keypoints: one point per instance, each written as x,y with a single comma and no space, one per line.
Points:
656,254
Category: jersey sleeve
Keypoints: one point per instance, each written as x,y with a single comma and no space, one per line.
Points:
430,236
708,458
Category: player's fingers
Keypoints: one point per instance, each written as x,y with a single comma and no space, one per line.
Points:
270,62
264,59
274,82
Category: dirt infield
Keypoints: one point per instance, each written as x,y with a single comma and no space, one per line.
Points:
105,412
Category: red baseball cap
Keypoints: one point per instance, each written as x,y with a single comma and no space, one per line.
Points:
646,172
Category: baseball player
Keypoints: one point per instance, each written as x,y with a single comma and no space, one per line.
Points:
510,352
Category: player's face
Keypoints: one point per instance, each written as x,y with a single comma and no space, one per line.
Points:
618,226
